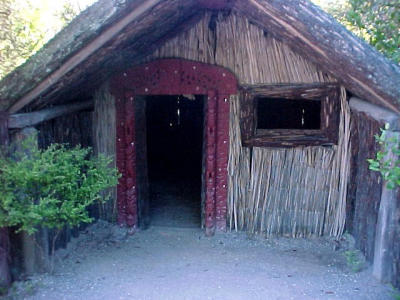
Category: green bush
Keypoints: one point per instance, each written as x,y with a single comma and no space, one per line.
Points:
51,188
389,168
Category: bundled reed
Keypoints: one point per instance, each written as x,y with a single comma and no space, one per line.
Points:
245,49
238,172
292,192
104,141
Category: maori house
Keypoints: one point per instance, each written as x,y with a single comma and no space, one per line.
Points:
265,111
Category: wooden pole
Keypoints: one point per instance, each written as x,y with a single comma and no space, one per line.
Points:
36,117
34,246
386,226
5,278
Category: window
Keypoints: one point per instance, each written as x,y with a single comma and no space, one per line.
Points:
289,115
281,113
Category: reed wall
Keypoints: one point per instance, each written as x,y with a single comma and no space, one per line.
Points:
254,56
290,192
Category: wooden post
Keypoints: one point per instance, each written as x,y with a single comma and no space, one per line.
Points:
34,247
5,278
386,226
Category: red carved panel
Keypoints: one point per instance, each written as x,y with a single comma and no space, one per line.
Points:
120,158
130,161
176,77
210,176
222,155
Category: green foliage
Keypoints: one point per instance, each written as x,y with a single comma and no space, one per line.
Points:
355,260
26,25
389,168
396,294
21,34
51,187
377,21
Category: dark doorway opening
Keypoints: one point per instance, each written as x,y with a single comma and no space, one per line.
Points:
174,152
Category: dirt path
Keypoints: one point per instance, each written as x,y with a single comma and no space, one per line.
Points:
181,263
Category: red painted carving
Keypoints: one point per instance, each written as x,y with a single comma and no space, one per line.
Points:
176,77
120,157
222,155
130,161
210,180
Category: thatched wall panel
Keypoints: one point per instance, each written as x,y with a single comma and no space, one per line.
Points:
292,192
250,53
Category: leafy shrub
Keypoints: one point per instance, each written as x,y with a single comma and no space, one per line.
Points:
389,168
51,188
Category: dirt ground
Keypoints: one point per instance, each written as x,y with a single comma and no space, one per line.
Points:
181,263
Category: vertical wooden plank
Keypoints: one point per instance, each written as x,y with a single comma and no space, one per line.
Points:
368,183
104,142
4,138
386,224
5,278
247,116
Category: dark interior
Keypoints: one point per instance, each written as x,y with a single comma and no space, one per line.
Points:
174,151
280,113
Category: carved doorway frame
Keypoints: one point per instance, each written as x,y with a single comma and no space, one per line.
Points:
176,77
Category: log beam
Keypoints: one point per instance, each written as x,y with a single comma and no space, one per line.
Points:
318,36
378,113
33,118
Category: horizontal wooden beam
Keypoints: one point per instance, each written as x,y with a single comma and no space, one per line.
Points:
34,118
310,91
378,113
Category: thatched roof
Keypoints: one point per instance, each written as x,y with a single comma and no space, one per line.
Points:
112,33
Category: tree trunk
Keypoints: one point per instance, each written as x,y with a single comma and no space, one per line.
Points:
34,246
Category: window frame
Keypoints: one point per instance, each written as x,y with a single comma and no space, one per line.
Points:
328,94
